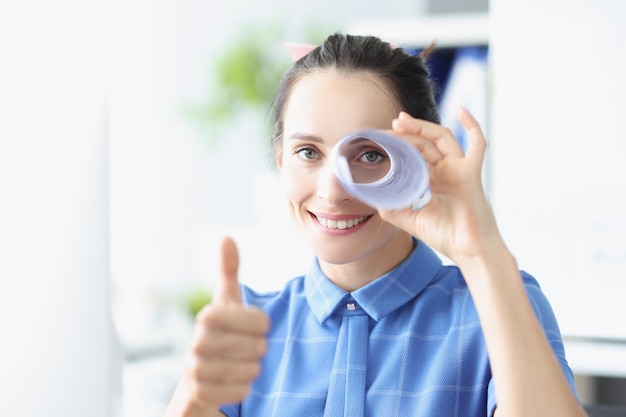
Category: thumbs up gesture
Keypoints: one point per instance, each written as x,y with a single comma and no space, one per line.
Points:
228,343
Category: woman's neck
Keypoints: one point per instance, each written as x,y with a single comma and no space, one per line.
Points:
359,273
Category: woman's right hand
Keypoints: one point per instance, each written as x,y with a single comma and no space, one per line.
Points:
227,347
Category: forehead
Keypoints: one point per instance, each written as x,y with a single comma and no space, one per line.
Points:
330,104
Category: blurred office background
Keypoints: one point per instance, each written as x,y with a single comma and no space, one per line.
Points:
124,159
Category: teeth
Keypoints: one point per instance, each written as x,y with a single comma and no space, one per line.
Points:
340,224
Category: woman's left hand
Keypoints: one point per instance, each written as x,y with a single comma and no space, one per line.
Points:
458,221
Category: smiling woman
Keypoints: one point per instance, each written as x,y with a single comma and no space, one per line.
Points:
378,325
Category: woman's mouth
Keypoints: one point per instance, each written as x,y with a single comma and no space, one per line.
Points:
340,224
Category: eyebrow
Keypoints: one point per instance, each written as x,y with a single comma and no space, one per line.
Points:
305,137
312,138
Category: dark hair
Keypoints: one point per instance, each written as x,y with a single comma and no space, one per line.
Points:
407,76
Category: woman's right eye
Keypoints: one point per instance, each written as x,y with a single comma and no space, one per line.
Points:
307,153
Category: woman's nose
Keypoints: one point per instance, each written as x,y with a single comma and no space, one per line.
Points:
329,188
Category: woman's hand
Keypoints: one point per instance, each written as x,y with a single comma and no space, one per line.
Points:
458,221
227,348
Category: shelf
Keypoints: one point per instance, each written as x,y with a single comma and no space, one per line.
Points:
448,30
605,358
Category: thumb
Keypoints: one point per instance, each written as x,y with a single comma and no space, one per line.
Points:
228,291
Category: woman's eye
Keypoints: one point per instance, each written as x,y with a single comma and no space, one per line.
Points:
307,153
373,157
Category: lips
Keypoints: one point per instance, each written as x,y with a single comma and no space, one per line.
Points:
341,224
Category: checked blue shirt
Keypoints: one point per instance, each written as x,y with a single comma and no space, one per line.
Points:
407,344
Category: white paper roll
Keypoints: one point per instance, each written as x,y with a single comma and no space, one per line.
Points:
406,184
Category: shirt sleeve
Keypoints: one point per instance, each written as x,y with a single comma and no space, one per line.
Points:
547,320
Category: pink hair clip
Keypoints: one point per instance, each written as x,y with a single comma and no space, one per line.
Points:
298,50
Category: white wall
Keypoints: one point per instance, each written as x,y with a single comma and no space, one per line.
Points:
59,354
558,153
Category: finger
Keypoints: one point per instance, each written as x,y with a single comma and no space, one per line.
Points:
224,371
478,144
233,347
228,290
441,137
233,318
217,394
426,148
216,322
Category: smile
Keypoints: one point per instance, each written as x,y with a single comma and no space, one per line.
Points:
341,224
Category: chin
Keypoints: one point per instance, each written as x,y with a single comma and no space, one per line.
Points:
339,253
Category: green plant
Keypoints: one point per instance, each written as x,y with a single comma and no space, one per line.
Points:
195,299
244,76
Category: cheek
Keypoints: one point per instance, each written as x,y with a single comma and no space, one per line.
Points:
297,184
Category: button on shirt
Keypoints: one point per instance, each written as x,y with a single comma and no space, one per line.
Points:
407,344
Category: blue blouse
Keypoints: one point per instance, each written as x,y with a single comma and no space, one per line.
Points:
407,344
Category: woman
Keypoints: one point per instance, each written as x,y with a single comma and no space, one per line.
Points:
378,326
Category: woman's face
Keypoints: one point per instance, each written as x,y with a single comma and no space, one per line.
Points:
322,108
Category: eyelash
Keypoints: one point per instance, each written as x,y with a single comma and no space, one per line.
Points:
380,156
300,152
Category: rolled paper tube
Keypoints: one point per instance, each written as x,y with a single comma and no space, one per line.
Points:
406,184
